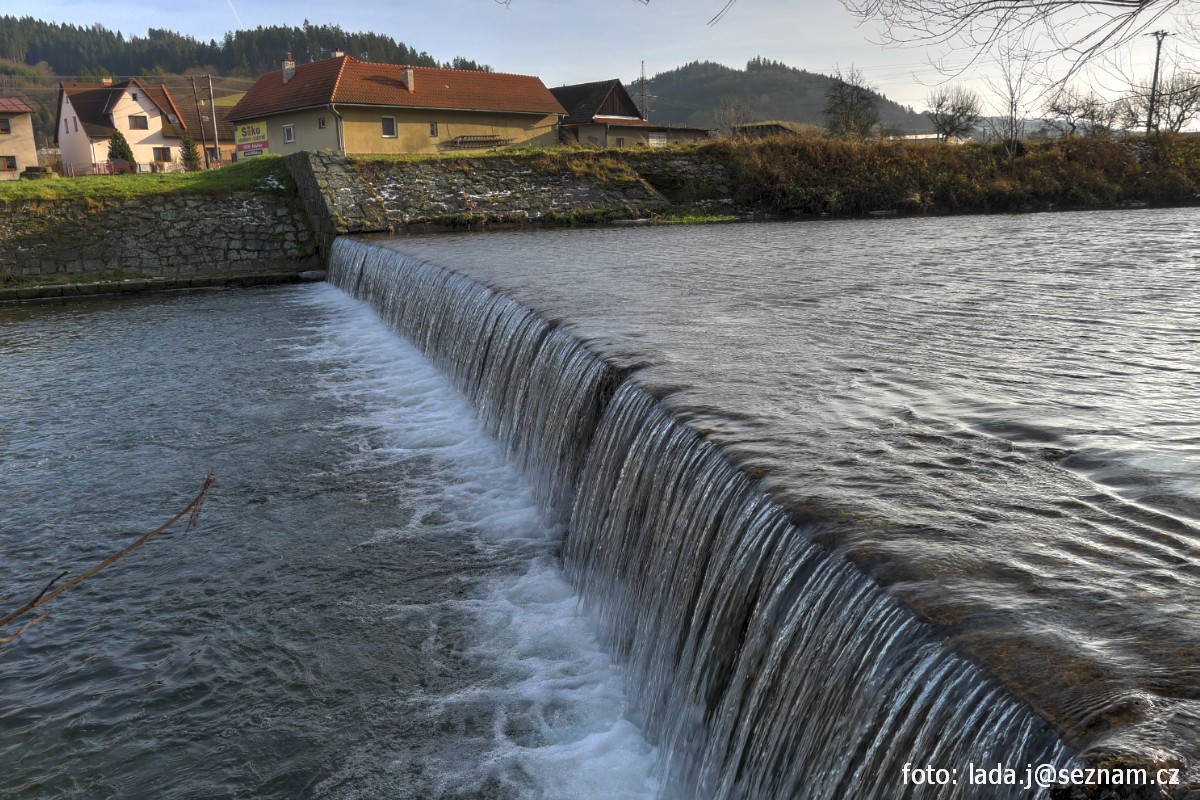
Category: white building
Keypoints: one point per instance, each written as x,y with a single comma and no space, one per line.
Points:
88,113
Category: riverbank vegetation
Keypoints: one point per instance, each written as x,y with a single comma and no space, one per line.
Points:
267,174
817,175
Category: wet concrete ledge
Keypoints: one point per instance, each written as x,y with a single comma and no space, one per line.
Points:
74,292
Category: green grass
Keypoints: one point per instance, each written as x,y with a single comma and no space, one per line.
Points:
695,216
264,174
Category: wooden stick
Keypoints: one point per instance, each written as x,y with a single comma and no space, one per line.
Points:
192,511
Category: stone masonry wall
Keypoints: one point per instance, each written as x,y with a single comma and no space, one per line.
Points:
357,196
158,236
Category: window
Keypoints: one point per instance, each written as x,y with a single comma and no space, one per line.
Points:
214,155
174,120
76,121
321,122
162,154
620,141
139,122
389,127
134,96
289,133
433,129
66,126
5,125
8,163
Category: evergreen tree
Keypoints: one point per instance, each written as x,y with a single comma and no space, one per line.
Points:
189,154
118,148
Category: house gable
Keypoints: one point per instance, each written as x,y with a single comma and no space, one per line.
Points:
89,113
585,102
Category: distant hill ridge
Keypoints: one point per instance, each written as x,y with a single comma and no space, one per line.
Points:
87,51
692,94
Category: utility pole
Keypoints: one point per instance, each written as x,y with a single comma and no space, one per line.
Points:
212,102
200,119
645,95
1152,116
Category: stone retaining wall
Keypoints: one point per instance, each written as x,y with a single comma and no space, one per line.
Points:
181,235
368,195
173,235
72,292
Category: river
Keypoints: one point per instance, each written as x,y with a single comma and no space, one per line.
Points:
739,509
370,606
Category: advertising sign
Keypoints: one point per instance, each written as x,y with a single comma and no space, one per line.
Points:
251,139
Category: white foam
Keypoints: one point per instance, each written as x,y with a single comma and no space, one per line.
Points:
556,699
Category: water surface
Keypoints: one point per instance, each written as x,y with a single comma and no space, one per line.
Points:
371,605
1000,410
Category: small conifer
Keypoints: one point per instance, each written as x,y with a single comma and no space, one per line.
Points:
119,149
189,154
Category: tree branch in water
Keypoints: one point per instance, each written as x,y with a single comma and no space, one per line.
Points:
191,511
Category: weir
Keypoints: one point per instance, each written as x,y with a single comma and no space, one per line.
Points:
761,663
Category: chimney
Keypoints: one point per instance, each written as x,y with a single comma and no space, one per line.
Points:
408,79
289,68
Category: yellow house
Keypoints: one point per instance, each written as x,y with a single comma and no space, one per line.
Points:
17,148
360,107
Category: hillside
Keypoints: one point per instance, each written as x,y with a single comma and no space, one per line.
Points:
77,51
691,95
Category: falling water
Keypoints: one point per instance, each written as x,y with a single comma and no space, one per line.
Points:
762,664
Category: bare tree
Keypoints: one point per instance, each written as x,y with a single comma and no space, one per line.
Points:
1177,103
1128,111
851,107
1072,111
954,111
1013,87
731,114
1078,29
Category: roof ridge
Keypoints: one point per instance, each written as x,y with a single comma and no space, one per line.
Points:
338,78
452,69
175,108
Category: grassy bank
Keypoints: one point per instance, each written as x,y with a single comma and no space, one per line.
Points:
266,174
782,176
829,176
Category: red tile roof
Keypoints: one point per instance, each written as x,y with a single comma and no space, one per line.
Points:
349,81
13,105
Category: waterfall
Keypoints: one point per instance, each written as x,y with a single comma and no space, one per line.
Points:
762,664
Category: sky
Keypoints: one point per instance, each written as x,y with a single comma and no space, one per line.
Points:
571,41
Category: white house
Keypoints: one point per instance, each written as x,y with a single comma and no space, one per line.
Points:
88,113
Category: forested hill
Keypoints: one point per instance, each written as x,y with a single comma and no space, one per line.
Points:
73,50
692,94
